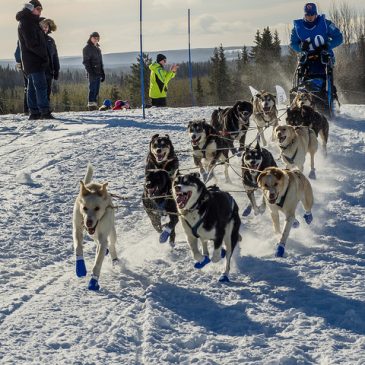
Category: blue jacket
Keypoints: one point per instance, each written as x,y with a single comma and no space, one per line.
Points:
322,32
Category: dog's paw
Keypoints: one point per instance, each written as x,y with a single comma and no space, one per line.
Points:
223,278
280,250
238,153
164,236
93,284
115,263
312,174
80,267
201,264
223,253
295,223
262,209
308,217
247,211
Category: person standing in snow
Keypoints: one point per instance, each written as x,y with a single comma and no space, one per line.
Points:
314,33
48,26
159,80
34,56
93,62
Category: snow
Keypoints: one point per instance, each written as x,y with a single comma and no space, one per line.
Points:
308,308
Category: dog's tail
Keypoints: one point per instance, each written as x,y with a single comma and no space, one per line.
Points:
89,173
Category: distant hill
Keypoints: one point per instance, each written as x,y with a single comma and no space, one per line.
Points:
124,59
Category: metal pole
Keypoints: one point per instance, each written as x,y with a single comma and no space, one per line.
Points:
141,63
190,67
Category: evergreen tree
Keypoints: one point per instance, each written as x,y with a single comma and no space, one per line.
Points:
276,47
114,93
199,92
134,80
66,103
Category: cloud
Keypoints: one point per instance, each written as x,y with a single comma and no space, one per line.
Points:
210,24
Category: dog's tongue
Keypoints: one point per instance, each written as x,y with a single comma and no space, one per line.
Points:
195,141
182,199
160,156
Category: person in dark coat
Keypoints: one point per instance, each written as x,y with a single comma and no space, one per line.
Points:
49,26
19,66
34,56
93,62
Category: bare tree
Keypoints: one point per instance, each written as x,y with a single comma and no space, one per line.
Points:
343,16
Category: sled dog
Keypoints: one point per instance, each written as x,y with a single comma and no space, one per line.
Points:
254,160
94,212
233,122
208,214
302,97
295,143
157,202
264,112
161,154
209,148
307,116
283,189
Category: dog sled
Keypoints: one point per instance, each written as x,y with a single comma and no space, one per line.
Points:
314,74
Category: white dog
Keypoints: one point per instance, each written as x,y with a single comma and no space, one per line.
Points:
94,212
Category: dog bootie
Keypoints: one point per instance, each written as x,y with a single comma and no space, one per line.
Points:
295,223
308,217
223,279
280,250
247,211
312,174
201,264
80,266
223,253
164,236
93,283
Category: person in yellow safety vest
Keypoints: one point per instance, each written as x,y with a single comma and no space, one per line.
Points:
159,79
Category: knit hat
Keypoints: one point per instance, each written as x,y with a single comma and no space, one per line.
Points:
36,4
310,9
160,57
108,103
95,34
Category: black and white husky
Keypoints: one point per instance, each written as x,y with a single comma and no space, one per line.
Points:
233,123
209,148
157,202
209,214
254,160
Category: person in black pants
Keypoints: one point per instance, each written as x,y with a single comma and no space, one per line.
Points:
93,62
34,56
48,26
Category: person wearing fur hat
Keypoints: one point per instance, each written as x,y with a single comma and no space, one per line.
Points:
34,56
159,79
48,26
93,62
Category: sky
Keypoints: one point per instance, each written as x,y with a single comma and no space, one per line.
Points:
230,22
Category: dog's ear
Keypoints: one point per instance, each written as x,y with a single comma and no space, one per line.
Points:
195,174
261,177
258,147
102,190
167,136
190,124
154,136
83,190
277,173
176,174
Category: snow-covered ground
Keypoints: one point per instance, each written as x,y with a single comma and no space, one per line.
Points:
308,308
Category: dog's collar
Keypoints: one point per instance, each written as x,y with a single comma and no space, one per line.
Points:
282,199
291,159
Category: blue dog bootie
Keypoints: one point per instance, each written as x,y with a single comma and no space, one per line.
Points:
80,266
247,211
223,278
308,217
280,250
201,264
295,223
312,174
164,236
93,283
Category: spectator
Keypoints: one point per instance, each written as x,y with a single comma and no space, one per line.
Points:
48,26
93,62
19,66
34,56
159,80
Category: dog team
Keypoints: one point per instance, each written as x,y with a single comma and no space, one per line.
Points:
208,213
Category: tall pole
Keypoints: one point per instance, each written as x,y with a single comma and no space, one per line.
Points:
141,63
190,67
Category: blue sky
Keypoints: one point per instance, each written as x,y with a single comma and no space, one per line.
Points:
230,22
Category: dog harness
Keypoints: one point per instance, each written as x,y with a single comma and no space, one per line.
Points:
291,159
282,200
